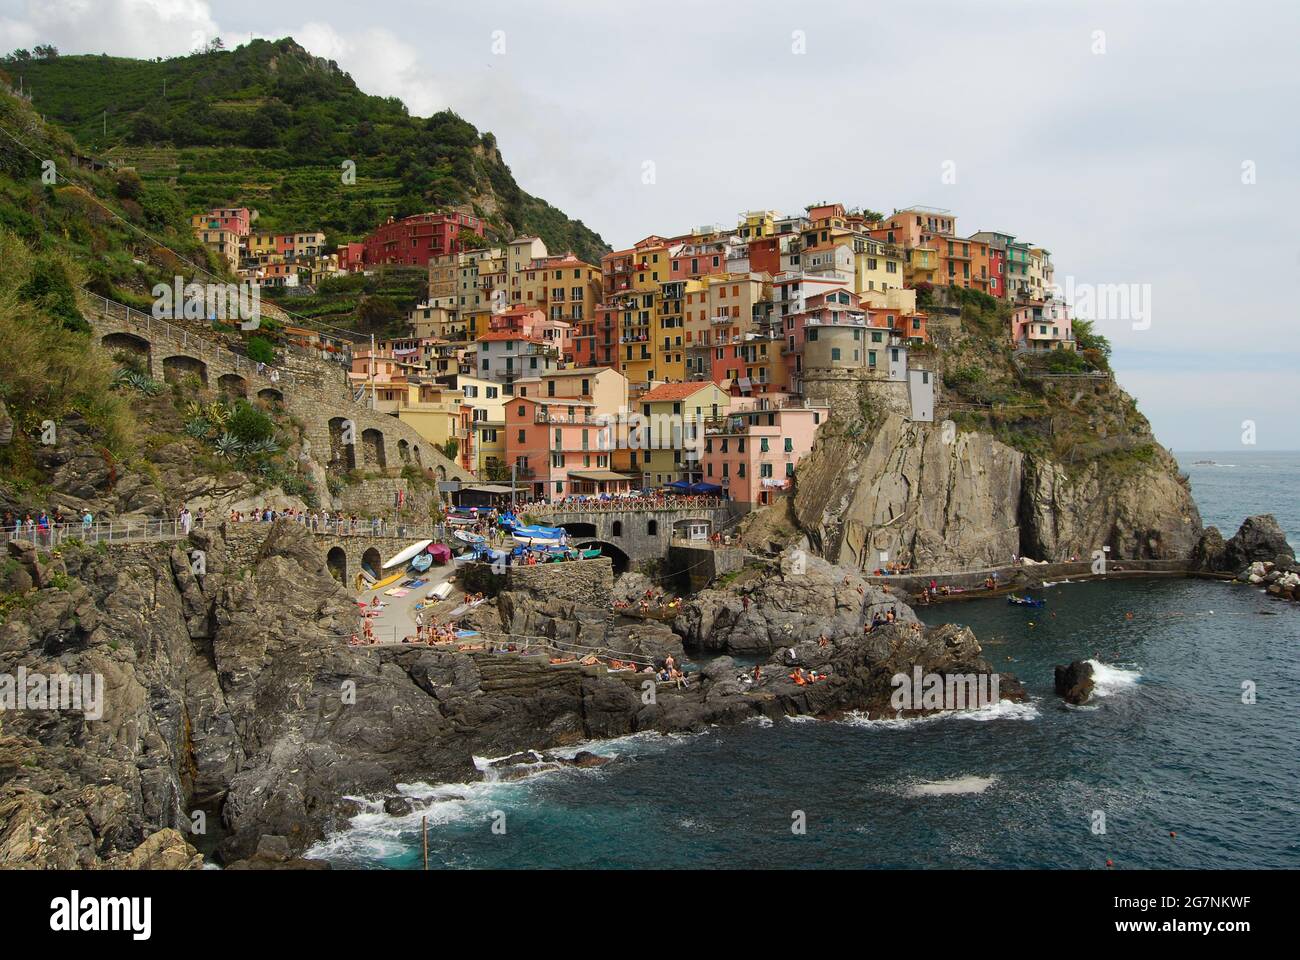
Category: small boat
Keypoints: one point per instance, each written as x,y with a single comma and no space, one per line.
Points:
539,536
462,519
441,592
406,554
392,578
422,562
467,537
1025,601
538,532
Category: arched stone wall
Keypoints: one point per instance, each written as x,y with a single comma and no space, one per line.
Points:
179,366
233,384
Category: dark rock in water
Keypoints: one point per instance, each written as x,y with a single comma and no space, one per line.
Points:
1208,554
272,848
586,759
1074,683
719,668
1260,538
397,806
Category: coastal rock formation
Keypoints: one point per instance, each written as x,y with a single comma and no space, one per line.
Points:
1258,554
1142,512
1258,539
973,502
804,599
1074,682
236,693
908,493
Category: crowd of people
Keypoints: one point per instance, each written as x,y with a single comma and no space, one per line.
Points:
640,500
322,521
47,527
654,600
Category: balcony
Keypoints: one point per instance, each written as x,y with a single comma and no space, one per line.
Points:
582,419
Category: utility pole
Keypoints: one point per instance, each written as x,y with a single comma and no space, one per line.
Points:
372,371
513,468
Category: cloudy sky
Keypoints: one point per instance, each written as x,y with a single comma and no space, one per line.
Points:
1152,145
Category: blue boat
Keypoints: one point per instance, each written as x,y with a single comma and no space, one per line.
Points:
1025,601
422,562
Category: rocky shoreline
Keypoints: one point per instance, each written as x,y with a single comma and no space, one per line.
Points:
235,694
1257,554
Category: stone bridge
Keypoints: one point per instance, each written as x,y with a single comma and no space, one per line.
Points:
631,537
342,433
343,553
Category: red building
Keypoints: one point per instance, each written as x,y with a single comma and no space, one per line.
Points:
414,241
351,256
997,272
595,342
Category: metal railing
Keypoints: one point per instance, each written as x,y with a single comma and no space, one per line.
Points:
205,347
117,531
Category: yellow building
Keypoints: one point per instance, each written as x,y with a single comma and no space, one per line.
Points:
877,266
675,417
758,223
487,402
669,337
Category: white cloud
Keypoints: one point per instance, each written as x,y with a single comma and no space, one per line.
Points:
129,28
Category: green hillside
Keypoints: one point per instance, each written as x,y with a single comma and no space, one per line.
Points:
270,126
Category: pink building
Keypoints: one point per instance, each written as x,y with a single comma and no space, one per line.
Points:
533,324
237,220
351,257
555,444
755,456
1042,325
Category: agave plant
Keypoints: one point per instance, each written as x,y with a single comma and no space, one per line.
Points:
263,447
194,410
229,446
217,413
197,427
138,381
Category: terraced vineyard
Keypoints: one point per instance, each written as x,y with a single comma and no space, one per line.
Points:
268,125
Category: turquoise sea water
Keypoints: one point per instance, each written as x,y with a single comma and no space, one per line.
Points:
1167,746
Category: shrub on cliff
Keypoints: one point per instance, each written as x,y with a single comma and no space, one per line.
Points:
47,369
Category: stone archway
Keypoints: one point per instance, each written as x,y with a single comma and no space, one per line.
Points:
578,529
337,563
343,454
233,384
128,343
372,448
271,395
440,472
404,450
622,562
178,367
418,458
371,560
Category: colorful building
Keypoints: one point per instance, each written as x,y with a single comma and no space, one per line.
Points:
415,240
753,455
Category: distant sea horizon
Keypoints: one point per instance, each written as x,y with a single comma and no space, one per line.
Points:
1235,484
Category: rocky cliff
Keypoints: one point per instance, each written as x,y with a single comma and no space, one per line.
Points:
910,495
235,695
942,499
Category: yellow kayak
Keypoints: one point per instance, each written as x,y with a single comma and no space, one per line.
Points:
380,584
